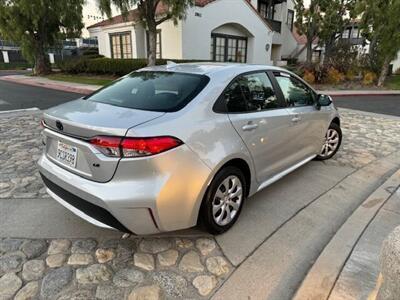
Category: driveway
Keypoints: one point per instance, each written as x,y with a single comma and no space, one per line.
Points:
72,258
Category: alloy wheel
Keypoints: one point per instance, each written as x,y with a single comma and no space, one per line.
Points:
331,143
227,200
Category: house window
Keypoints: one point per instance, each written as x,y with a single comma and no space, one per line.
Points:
266,9
158,43
121,45
346,33
290,19
355,33
227,48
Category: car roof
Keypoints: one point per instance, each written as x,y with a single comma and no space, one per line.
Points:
207,68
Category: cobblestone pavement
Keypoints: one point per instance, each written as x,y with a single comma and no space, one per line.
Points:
189,268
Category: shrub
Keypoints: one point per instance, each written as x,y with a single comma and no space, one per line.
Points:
397,72
369,78
333,76
309,77
107,65
15,66
350,75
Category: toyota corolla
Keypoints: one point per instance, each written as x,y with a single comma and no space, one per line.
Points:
168,147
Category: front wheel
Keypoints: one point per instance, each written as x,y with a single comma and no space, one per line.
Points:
224,200
333,139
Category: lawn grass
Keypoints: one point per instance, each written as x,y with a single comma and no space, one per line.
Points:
84,79
393,82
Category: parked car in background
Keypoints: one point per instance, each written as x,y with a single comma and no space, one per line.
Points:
168,147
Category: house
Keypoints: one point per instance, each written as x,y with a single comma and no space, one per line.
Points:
251,31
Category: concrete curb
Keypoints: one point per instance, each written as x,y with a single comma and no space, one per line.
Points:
19,112
49,85
322,277
349,93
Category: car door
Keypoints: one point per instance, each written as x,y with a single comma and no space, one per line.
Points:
261,119
308,123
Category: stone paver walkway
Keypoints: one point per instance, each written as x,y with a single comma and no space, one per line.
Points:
189,268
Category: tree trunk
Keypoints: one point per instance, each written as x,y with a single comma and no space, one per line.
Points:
384,72
309,51
42,65
152,45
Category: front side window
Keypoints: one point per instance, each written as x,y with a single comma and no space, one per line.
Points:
121,45
258,92
154,91
295,92
226,48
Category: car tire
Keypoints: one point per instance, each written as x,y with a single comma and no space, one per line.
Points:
333,140
225,194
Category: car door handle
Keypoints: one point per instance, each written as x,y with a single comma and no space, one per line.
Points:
296,119
249,127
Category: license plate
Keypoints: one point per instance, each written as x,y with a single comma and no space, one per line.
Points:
67,154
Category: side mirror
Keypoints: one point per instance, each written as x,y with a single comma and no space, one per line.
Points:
323,100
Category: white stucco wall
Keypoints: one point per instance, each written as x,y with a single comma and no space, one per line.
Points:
171,40
396,63
103,37
196,30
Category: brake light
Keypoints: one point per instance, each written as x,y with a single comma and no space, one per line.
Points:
108,145
134,147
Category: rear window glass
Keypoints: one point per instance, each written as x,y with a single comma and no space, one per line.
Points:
155,91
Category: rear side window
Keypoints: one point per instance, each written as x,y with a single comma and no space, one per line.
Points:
154,91
250,93
259,93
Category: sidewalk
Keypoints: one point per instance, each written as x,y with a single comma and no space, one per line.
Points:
87,88
52,84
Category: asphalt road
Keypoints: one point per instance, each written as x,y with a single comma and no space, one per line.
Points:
388,105
17,96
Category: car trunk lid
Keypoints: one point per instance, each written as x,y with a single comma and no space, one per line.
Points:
70,127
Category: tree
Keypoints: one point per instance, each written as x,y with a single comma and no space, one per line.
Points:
308,22
323,19
336,15
380,24
36,25
151,13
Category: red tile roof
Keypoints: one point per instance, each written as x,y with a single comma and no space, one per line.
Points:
133,15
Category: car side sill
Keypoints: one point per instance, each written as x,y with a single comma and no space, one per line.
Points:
284,173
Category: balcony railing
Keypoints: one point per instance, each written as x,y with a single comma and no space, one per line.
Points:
276,25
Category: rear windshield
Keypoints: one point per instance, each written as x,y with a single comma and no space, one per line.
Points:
155,91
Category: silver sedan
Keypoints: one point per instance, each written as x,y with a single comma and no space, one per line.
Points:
168,147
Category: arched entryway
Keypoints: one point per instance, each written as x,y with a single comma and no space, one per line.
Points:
230,43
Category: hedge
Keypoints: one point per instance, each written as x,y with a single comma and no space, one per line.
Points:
15,65
107,65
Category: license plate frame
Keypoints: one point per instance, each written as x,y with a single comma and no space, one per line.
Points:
67,154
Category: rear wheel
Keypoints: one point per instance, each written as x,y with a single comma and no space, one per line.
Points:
333,139
223,201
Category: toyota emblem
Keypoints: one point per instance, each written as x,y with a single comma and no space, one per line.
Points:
59,125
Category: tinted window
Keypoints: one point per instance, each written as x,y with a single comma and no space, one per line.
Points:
155,91
258,92
294,91
235,101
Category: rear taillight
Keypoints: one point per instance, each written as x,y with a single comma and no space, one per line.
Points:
134,147
108,145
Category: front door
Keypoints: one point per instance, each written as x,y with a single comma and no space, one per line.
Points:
307,122
262,120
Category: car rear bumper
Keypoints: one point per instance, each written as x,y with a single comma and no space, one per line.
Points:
145,196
